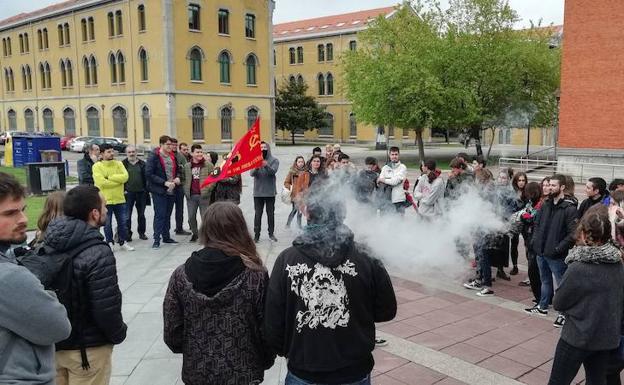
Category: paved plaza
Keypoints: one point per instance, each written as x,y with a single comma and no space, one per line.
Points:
443,334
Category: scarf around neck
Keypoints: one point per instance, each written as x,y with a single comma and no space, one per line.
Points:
606,253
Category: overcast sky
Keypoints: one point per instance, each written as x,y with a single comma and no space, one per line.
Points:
550,11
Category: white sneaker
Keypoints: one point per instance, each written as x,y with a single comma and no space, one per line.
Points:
127,247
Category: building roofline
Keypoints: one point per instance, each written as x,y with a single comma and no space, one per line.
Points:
53,10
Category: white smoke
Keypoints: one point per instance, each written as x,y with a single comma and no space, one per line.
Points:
409,244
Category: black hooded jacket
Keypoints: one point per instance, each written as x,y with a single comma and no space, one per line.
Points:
555,224
96,272
213,313
325,295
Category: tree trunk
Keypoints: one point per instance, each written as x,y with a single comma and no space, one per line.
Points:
475,133
421,145
491,143
292,136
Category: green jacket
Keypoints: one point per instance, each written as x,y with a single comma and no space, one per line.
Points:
204,173
110,177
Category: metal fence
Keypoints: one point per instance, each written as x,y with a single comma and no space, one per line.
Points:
536,169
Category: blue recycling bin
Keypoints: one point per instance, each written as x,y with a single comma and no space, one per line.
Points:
28,148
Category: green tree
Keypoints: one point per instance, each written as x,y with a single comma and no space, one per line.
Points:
391,79
295,111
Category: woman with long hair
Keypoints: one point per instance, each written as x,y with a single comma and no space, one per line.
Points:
217,297
591,296
298,168
52,209
533,194
518,183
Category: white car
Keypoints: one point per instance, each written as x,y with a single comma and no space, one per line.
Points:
77,144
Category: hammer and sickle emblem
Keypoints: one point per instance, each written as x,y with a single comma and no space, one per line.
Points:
254,141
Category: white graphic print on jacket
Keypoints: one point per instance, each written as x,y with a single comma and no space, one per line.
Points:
324,295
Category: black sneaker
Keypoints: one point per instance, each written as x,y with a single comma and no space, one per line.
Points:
473,285
170,240
129,239
182,232
194,238
514,271
156,245
485,292
502,275
143,237
560,321
380,342
272,237
536,310
525,283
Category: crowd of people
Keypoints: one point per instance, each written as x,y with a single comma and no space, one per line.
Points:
229,319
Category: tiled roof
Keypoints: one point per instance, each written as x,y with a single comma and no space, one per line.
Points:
40,12
328,24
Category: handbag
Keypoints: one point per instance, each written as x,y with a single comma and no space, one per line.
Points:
286,195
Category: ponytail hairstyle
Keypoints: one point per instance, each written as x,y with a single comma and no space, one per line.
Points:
431,166
594,229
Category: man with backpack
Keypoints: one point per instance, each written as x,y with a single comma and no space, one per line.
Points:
94,300
31,319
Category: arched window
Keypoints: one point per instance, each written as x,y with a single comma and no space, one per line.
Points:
328,130
113,68
42,76
224,67
352,125
24,84
66,29
70,73
111,24
143,63
83,28
121,64
141,16
93,121
196,64
87,71
120,122
299,55
29,117
91,28
48,76
63,74
12,119
226,123
330,84
252,115
48,120
4,48
46,42
26,43
69,120
39,39
10,80
300,79
321,52
28,77
21,43
330,51
9,48
198,122
61,36
292,79
251,69
145,116
93,67
321,84
119,23
291,55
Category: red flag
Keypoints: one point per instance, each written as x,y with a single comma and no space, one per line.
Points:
246,155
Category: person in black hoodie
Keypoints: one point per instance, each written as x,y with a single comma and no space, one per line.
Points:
214,304
95,313
553,236
325,295
85,165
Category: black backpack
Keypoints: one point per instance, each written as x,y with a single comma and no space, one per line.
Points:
55,270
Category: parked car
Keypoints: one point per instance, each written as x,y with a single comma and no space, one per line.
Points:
117,144
65,141
78,143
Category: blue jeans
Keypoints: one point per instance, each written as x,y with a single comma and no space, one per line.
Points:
163,207
291,379
138,199
121,216
547,268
